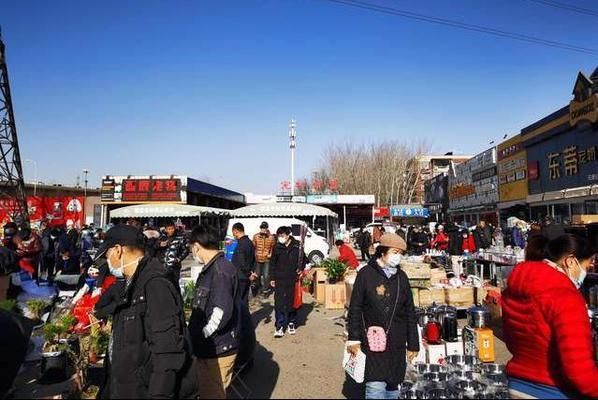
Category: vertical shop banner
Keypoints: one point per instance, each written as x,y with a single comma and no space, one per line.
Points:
57,210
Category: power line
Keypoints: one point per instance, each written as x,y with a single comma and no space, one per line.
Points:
465,26
568,7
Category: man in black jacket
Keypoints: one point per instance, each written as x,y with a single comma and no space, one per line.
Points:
148,350
215,323
287,263
172,249
244,260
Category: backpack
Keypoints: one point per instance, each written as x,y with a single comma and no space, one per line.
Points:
187,381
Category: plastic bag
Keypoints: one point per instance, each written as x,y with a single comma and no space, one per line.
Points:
354,366
298,295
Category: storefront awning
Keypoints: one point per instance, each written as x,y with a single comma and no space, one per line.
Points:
165,211
282,210
508,204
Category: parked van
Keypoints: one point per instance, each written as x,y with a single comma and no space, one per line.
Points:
316,248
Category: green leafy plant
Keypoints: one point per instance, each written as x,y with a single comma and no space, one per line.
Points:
52,335
10,306
99,342
335,269
36,307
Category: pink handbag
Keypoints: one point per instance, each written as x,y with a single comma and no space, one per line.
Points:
376,335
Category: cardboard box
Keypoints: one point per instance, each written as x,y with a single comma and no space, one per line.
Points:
320,277
336,296
415,270
435,353
453,348
457,297
437,275
479,342
421,356
420,283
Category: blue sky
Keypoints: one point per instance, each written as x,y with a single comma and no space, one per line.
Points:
206,88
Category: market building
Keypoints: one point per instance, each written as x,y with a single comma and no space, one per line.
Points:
512,179
562,161
473,190
120,191
429,166
437,198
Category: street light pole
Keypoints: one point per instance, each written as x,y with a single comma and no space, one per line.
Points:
85,171
292,145
34,177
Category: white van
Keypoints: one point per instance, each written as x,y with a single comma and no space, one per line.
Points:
316,248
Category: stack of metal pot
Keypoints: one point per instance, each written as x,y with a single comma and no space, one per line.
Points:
445,316
462,377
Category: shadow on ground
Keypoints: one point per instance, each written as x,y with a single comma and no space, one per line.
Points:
260,378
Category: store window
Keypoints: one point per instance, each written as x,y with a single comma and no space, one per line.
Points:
592,207
577,209
538,213
561,214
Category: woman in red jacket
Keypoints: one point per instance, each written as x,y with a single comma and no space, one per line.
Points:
546,324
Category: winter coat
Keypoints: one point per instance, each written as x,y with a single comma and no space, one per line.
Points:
418,242
547,330
286,264
173,254
441,241
263,244
468,244
47,243
347,255
28,251
482,237
148,340
517,238
365,240
217,286
244,258
372,302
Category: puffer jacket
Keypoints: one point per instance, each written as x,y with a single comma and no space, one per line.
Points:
547,330
264,244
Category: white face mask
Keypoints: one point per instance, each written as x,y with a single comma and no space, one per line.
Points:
582,275
118,272
394,260
197,258
282,240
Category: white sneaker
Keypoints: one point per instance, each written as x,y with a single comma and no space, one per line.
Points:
292,329
279,333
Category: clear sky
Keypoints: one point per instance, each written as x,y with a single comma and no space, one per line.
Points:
206,88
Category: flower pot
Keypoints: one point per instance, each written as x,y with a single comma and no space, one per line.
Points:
95,375
53,367
73,343
93,358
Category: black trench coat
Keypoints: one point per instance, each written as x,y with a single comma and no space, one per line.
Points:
285,265
372,301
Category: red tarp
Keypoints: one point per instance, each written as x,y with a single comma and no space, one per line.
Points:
60,210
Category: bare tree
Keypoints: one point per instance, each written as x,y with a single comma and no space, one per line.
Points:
390,170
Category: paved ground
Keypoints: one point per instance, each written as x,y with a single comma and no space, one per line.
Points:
307,365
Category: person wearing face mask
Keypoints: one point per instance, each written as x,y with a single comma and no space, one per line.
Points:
546,325
382,300
215,322
147,351
286,265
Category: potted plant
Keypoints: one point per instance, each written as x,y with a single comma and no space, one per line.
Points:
10,306
335,269
59,347
98,345
36,308
307,279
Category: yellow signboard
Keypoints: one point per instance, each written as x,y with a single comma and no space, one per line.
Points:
586,110
512,170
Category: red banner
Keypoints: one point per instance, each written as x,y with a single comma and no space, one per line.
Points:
58,210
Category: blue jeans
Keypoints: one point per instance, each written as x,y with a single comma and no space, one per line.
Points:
377,390
284,319
535,390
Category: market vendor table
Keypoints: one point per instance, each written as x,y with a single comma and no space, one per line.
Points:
497,272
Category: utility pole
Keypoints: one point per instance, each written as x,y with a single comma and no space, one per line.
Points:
292,145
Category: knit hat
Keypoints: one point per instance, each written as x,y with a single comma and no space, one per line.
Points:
394,241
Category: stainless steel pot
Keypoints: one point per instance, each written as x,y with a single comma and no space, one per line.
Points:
443,310
440,394
493,369
412,394
436,377
462,375
478,317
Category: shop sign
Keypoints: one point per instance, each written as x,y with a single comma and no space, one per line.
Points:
409,212
586,110
322,199
568,161
107,190
489,173
461,190
533,170
284,198
299,199
151,189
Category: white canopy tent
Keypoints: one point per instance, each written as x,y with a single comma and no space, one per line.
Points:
166,211
282,210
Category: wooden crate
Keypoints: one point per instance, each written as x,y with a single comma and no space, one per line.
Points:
415,270
437,275
457,297
336,296
420,283
320,277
